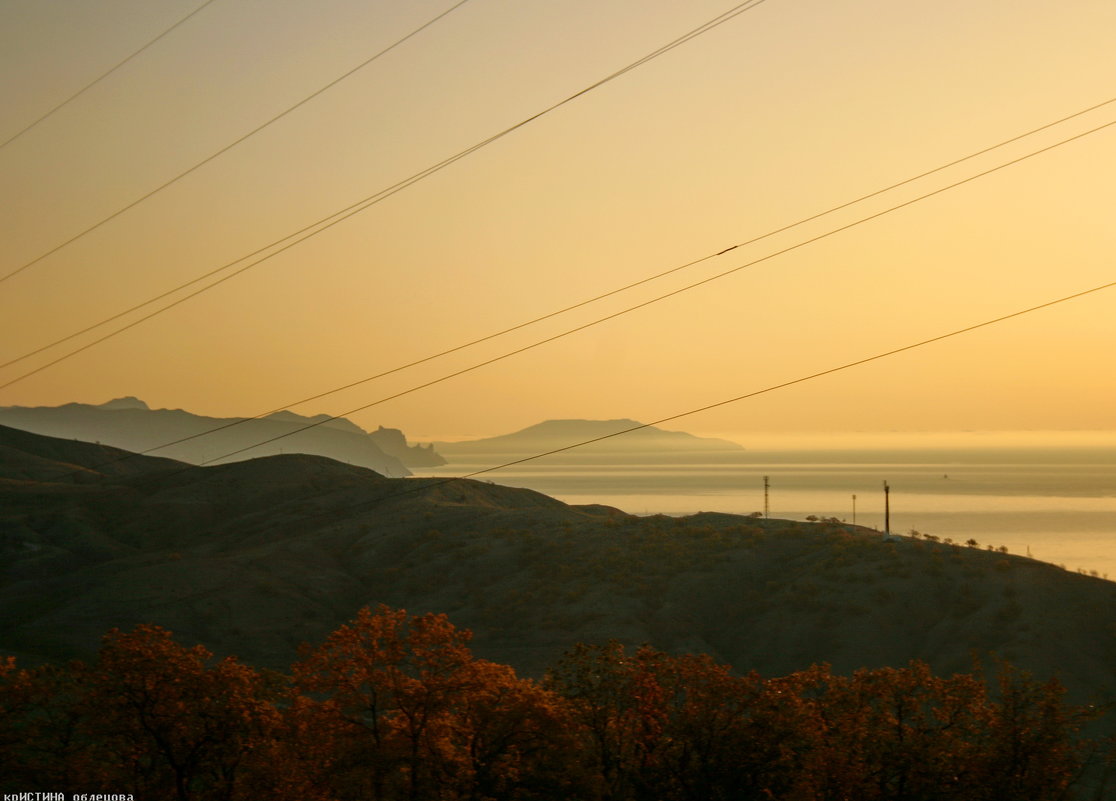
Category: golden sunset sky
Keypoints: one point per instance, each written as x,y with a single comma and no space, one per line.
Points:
791,108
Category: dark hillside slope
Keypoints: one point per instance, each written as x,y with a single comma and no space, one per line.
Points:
253,558
34,457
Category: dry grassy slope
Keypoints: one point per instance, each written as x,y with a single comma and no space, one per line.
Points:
24,455
255,557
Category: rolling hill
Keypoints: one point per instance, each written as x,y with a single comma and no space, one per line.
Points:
255,557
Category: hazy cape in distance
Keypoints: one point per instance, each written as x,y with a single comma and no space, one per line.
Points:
131,424
648,444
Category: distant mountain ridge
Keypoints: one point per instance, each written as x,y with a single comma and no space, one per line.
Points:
340,423
648,443
127,402
129,423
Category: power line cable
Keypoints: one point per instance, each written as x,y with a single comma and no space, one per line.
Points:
383,194
96,81
593,323
431,484
657,299
578,305
428,484
335,222
601,320
234,143
812,376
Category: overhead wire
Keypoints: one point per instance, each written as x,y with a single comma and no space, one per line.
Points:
431,483
428,484
327,222
622,312
671,294
232,144
812,376
96,81
331,418
574,306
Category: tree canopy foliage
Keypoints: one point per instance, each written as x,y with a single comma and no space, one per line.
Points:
393,706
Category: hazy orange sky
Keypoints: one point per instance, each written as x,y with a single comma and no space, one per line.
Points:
791,108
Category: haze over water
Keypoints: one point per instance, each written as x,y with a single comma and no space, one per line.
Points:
1050,494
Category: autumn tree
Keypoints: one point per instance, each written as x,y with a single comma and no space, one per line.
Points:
1031,749
597,682
42,726
412,715
388,680
512,739
174,724
150,717
731,736
15,723
656,726
894,733
906,734
393,706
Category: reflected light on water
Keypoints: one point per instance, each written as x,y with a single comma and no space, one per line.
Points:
1052,495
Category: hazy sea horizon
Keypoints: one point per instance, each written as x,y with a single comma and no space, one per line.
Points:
1056,503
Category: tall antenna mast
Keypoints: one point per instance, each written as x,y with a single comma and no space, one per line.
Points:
766,507
887,510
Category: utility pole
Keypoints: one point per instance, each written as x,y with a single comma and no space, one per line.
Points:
887,510
854,508
766,507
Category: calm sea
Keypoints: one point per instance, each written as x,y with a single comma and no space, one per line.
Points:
1057,504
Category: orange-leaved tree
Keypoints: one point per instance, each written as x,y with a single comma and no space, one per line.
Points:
410,714
1032,749
732,737
512,739
597,683
43,737
893,733
171,723
389,680
657,726
906,734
